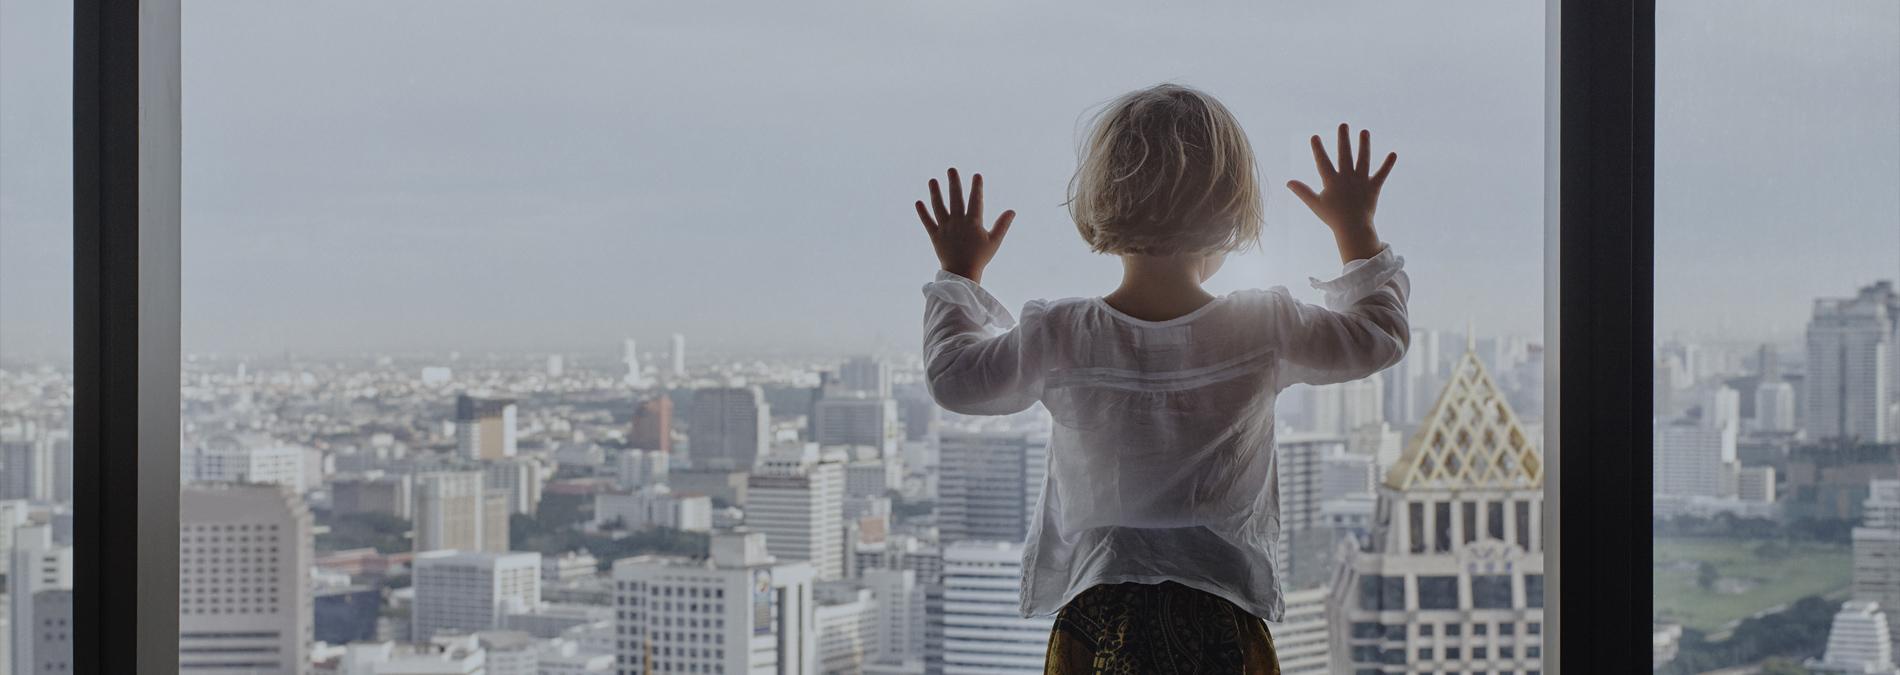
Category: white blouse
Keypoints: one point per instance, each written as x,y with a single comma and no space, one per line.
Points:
1161,463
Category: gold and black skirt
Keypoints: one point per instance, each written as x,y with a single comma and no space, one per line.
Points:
1157,629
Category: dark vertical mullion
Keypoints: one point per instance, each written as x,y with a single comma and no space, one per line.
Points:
125,318
1606,284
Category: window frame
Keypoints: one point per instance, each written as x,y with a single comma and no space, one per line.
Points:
1599,185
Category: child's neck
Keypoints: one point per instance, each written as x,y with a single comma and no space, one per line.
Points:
1159,288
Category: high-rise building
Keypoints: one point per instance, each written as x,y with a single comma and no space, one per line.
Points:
653,425
245,598
38,565
243,459
1299,639
1691,459
53,646
484,427
471,591
1857,642
1342,407
989,483
26,468
640,468
980,618
1851,365
856,418
679,355
899,639
1877,547
630,356
455,510
731,427
1409,386
1774,406
374,492
737,611
522,478
873,477
1452,578
845,620
866,374
796,497
556,365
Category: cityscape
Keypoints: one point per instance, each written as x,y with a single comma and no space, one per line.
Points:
643,510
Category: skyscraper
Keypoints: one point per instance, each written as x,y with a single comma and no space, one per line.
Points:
856,418
472,590
867,374
1877,548
652,426
456,510
1452,579
26,468
1774,406
736,611
484,427
989,483
244,579
796,498
631,357
679,355
980,618
521,478
1690,458
731,427
1851,363
38,565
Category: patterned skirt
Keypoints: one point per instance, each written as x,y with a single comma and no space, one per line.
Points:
1157,629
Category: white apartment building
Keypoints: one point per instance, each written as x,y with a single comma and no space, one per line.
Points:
1774,406
738,611
227,458
640,468
1452,578
1691,459
845,620
796,498
471,590
1857,643
39,565
1877,548
456,654
1300,639
522,478
454,510
245,597
983,629
655,505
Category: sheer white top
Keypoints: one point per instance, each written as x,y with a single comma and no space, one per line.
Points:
1161,462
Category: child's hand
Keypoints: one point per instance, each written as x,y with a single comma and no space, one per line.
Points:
963,246
1349,195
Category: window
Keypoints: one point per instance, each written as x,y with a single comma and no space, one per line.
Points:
1416,511
1494,519
1491,591
1425,630
1439,593
1442,513
1534,595
1471,521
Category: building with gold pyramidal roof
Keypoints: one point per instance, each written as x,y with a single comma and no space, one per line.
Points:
1451,577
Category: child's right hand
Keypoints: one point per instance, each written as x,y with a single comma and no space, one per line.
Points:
1349,195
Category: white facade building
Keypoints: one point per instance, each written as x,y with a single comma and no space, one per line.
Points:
1858,643
655,506
640,468
40,566
245,596
873,477
983,629
1774,406
845,620
797,499
455,510
522,477
1300,639
1692,459
471,590
989,483
246,460
736,612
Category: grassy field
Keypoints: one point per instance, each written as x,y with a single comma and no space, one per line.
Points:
1751,583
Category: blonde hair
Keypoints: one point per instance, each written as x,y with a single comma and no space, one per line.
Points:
1166,170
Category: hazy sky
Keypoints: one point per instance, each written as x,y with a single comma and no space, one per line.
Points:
365,176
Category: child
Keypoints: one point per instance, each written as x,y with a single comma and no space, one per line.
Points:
1153,540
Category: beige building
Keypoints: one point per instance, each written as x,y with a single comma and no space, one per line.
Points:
484,427
455,510
244,580
1451,577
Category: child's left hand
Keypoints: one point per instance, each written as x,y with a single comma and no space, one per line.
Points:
963,246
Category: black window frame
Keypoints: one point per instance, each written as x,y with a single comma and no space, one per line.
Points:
1599,198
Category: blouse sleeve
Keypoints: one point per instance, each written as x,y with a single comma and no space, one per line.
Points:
1362,329
978,360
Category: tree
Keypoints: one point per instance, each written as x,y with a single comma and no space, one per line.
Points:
1779,666
1706,575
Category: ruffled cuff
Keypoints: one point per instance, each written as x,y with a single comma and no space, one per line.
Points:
1359,279
960,290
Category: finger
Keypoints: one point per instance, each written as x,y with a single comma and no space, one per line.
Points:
1378,179
1326,171
1365,152
1345,149
936,202
924,215
976,197
956,195
1305,193
1002,227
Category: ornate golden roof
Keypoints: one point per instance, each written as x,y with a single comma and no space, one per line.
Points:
1471,440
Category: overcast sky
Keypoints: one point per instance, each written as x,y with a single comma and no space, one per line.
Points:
374,176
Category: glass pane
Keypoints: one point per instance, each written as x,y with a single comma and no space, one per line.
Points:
36,336
1777,190
615,310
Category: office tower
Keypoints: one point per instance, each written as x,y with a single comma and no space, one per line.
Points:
1408,385
556,365
53,619
1305,542
1857,642
1458,545
796,497
845,620
245,601
1690,458
484,427
472,591
989,483
521,478
899,639
981,617
60,448
247,459
1851,366
856,418
731,427
1299,640
631,357
873,477
455,510
373,492
640,468
866,374
1345,406
1722,408
737,611
1877,547
1755,483
1768,363
653,425
26,468
347,614
1774,406
679,355
38,565
921,416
